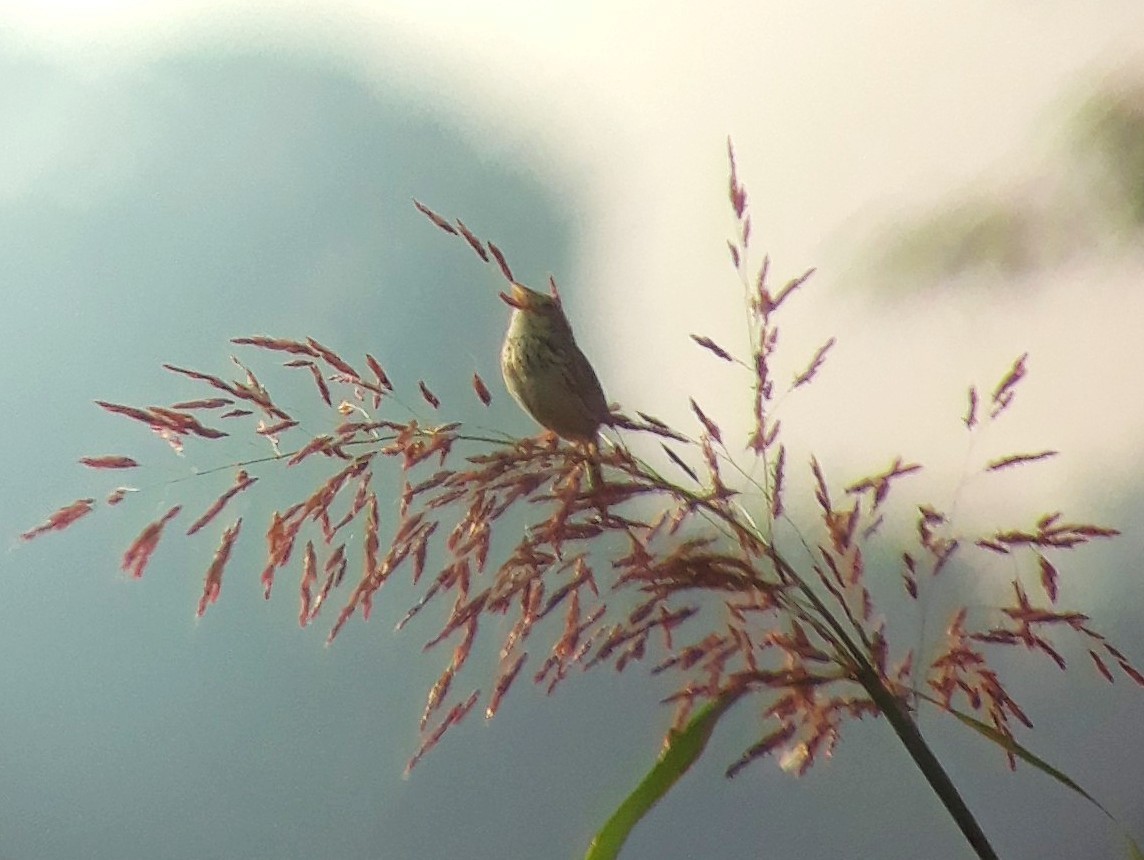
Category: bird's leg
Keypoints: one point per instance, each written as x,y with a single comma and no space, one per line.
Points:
591,452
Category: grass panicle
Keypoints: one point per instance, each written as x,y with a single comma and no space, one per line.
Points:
685,574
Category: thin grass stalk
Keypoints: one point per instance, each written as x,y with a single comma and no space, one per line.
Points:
907,731
888,704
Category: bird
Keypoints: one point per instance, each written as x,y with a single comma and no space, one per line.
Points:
547,374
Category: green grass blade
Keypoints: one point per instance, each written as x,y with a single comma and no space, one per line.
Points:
1134,852
682,750
1010,745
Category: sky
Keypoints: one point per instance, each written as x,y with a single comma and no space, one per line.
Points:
177,174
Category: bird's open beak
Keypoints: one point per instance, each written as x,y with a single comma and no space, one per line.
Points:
518,299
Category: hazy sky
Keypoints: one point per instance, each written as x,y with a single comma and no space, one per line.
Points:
176,174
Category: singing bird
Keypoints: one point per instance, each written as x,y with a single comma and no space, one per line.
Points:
548,375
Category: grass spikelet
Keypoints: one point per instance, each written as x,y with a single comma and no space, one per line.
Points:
212,582
879,484
242,481
274,343
305,587
454,717
481,390
109,462
61,519
204,403
474,243
332,359
1003,394
675,458
502,263
815,363
777,476
378,372
788,290
736,192
1018,459
428,396
139,553
709,426
440,222
970,419
503,683
712,347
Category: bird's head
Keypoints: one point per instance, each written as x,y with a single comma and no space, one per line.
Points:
539,308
